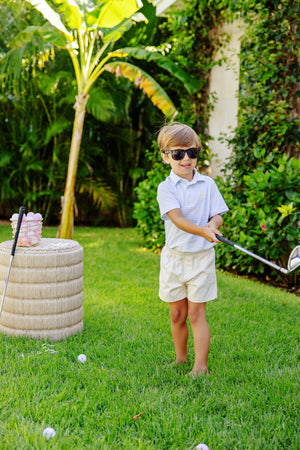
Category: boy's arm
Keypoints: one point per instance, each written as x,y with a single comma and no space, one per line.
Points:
215,222
208,232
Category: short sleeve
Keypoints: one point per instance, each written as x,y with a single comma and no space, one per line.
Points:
166,199
217,202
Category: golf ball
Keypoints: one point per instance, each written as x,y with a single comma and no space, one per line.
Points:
202,447
49,433
82,358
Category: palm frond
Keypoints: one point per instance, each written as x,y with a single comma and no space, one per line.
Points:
109,105
101,104
103,197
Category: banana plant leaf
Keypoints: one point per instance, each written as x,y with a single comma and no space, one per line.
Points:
192,85
114,11
115,33
79,14
49,14
145,82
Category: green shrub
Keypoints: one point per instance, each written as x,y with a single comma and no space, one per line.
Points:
266,220
146,209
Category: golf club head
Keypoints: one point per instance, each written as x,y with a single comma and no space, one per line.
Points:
294,260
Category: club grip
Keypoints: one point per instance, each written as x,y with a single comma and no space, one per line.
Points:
226,241
21,214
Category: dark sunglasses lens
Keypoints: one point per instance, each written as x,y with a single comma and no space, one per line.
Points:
193,153
177,155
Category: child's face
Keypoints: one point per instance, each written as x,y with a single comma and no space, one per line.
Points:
184,168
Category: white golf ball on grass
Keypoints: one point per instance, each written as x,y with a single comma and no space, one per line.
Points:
82,358
202,447
49,433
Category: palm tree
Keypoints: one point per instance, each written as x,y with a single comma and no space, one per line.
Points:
88,31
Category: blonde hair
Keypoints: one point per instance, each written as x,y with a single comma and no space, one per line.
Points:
177,134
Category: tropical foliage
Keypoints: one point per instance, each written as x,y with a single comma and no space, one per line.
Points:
261,185
34,113
88,31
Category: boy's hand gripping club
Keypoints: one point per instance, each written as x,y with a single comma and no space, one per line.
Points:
21,213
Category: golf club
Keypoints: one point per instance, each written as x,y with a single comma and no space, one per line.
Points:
293,262
21,213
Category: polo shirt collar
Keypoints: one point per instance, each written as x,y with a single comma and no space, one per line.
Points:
176,179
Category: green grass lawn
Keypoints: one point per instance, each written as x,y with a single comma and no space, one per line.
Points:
249,401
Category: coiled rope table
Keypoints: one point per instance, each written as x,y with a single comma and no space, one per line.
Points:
44,297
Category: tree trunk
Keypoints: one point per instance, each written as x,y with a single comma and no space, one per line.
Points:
67,217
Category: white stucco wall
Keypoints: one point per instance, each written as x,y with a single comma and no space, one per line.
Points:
224,84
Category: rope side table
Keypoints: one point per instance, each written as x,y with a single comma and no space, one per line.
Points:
44,295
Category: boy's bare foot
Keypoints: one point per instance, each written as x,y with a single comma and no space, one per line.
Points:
175,363
198,373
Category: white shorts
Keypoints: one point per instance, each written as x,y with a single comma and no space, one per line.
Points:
187,275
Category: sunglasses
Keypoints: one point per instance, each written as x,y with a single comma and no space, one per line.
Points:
177,155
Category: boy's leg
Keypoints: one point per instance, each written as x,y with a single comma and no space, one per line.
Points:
201,335
179,328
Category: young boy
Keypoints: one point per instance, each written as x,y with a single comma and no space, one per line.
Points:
191,207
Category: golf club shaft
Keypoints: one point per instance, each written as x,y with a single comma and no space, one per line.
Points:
259,258
21,213
6,282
